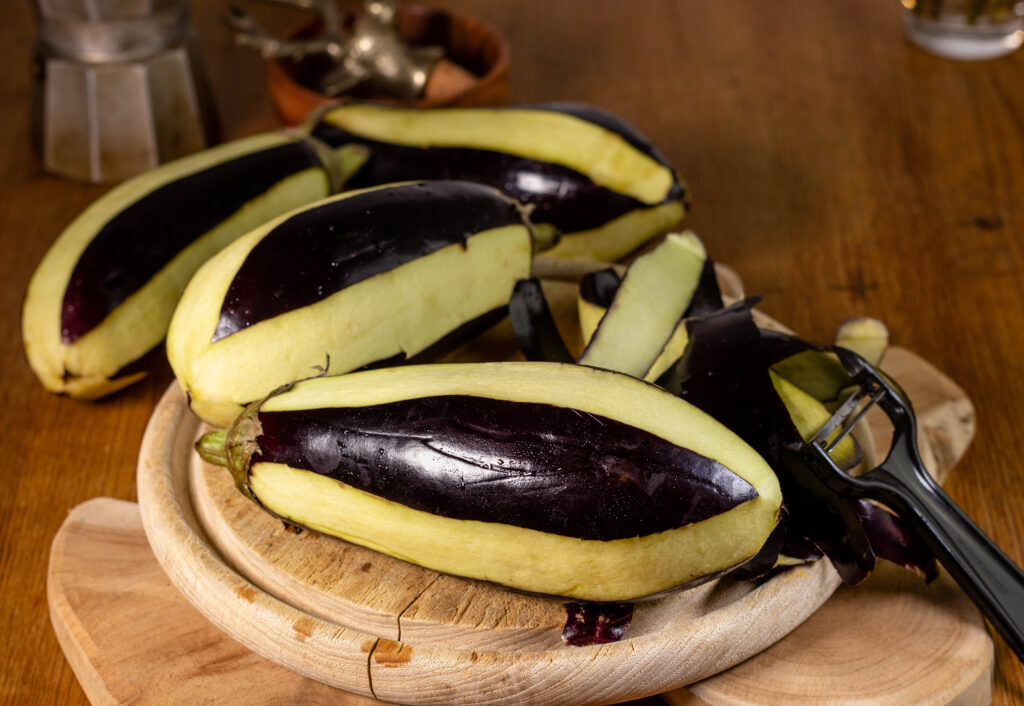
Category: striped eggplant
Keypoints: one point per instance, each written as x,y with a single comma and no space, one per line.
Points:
103,295
361,278
585,172
545,477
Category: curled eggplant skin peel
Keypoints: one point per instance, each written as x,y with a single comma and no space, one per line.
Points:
80,341
516,556
398,307
536,331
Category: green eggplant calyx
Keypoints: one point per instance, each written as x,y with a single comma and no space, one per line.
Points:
240,445
210,447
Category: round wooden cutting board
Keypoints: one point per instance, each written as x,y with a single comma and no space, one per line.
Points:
372,625
337,613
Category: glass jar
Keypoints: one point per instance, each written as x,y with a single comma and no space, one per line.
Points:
965,29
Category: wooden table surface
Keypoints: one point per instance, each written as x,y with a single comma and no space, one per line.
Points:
839,170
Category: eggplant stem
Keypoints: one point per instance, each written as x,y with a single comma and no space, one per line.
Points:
211,447
545,236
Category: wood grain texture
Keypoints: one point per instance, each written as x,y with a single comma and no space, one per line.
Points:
839,170
161,650
827,659
138,640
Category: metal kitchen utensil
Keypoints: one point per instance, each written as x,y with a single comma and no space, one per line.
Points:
984,572
120,86
373,52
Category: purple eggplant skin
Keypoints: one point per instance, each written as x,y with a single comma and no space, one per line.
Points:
535,328
140,240
778,346
336,245
595,623
476,458
891,540
559,195
599,288
707,298
723,372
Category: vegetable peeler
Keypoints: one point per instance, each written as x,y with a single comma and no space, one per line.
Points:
983,571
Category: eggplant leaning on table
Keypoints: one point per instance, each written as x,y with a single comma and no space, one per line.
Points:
362,278
544,477
586,173
103,295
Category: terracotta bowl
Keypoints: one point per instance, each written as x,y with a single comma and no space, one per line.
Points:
479,77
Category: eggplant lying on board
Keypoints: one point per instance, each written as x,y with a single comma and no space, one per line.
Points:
585,172
358,279
103,295
544,477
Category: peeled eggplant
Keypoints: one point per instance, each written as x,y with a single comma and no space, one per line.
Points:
584,172
544,477
104,293
361,278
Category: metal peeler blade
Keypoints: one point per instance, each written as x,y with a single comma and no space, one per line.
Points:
983,571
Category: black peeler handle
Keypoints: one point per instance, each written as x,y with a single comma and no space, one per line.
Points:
983,571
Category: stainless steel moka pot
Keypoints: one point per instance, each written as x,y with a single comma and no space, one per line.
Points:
121,87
